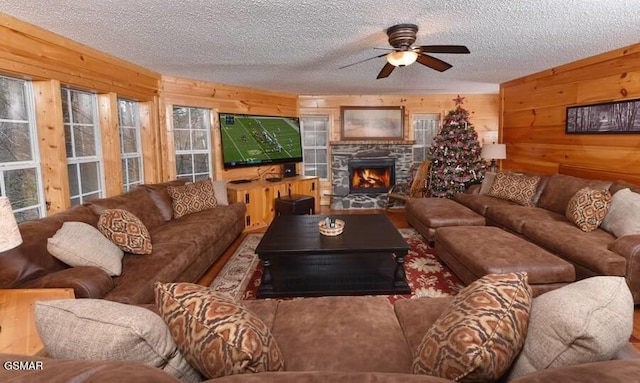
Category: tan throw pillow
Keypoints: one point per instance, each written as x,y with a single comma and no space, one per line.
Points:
586,321
487,182
125,230
218,336
220,192
97,329
588,207
518,188
80,244
481,332
192,198
623,217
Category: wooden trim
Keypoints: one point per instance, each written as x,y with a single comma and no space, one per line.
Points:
53,154
149,137
110,137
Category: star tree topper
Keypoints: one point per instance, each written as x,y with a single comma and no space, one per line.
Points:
458,100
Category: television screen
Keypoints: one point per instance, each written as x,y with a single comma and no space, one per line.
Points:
258,140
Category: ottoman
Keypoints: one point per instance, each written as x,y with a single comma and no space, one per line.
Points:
474,251
428,214
295,204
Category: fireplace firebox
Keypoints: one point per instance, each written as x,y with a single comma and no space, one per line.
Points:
371,175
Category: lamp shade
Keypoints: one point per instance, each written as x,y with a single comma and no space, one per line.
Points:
494,151
402,58
9,233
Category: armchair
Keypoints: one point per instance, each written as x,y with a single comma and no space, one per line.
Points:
416,188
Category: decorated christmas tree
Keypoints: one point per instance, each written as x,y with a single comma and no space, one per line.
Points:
455,155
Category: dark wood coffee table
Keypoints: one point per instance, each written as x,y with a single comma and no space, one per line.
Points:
367,258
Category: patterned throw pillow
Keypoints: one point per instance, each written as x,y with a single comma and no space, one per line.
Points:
217,336
192,198
481,333
125,230
518,188
588,207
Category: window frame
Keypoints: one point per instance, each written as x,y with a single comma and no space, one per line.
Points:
78,161
127,184
316,147
421,149
35,162
193,176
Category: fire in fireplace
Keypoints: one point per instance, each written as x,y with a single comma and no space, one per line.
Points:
371,175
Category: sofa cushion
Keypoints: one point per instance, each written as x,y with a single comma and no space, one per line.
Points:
588,207
481,333
623,217
586,321
105,330
560,188
192,198
125,230
341,334
80,244
585,250
217,335
480,203
514,217
519,188
137,201
416,316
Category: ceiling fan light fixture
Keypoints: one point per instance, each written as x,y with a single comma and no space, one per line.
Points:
402,58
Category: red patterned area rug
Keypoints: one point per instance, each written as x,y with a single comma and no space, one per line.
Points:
426,275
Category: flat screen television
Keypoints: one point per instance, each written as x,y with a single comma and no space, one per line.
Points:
250,140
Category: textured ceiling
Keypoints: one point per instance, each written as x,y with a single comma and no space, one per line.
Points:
298,45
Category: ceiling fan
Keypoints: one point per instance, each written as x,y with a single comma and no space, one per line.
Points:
401,38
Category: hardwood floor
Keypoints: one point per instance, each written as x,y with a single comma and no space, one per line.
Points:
395,215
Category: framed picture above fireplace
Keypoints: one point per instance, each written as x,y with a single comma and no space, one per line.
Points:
372,123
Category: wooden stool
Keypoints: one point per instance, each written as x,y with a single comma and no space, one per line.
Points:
295,204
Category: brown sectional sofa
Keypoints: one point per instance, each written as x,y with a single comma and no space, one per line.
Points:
591,253
335,339
183,248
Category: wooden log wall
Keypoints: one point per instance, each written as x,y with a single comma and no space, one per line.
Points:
534,113
484,109
52,61
220,98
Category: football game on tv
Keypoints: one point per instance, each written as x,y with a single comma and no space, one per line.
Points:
255,140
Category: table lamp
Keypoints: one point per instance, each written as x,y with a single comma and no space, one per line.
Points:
10,237
494,152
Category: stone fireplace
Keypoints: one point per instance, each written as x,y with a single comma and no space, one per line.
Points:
371,175
396,157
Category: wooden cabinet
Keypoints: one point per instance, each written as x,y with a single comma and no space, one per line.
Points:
259,196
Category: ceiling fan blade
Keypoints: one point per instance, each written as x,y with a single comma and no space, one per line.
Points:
386,71
361,61
433,62
443,49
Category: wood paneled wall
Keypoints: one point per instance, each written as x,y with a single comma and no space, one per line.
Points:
220,98
484,108
534,112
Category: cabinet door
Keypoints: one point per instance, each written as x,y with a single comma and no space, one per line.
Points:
310,187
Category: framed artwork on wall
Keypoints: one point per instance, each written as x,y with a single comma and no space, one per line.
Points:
608,117
372,123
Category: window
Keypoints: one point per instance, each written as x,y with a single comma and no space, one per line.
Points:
315,138
191,127
82,137
130,148
425,127
20,177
